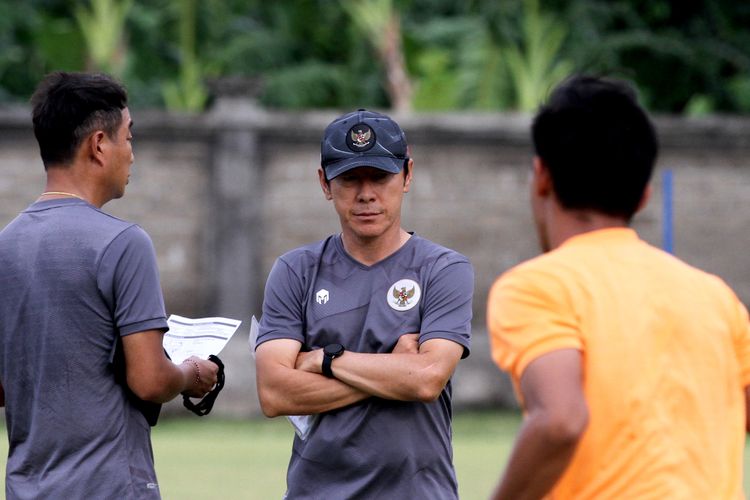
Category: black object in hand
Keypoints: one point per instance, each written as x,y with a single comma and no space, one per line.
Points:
204,406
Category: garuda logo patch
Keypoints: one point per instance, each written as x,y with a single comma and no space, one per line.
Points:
403,295
360,137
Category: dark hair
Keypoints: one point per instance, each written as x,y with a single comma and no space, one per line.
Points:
69,106
598,144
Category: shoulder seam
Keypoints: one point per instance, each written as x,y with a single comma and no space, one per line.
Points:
115,237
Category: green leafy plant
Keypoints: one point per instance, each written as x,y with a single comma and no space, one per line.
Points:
380,23
103,26
535,64
187,92
438,88
739,88
685,57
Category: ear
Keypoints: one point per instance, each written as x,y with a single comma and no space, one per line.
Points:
95,146
324,184
541,181
645,197
409,176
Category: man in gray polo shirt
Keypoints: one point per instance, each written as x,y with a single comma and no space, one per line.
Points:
82,369
364,329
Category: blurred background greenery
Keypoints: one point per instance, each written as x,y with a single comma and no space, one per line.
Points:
686,56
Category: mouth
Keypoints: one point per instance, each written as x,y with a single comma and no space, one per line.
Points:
367,218
366,215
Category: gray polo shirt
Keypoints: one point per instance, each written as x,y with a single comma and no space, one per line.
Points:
73,279
377,448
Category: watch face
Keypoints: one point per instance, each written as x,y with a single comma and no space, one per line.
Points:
333,350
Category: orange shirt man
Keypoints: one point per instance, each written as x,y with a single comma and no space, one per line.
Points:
632,367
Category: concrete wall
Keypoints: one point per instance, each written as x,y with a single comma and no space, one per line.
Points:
223,193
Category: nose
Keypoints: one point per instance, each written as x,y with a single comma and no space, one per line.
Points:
366,192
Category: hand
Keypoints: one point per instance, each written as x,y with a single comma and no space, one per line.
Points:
204,376
311,361
408,343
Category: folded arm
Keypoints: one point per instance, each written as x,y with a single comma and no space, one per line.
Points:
284,390
401,375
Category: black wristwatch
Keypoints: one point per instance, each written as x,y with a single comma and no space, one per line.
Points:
329,352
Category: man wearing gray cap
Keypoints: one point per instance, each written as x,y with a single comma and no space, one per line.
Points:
364,329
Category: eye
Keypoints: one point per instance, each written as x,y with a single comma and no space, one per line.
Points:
381,176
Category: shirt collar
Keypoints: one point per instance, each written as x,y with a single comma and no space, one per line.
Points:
599,236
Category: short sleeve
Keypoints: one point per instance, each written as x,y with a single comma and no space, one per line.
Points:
528,316
447,309
128,278
742,341
283,311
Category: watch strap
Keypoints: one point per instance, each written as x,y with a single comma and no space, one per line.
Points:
326,366
330,352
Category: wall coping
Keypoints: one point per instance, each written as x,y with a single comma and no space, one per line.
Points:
708,132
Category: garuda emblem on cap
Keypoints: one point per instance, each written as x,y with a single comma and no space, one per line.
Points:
403,295
360,137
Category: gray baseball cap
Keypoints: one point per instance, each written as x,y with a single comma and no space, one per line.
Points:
362,139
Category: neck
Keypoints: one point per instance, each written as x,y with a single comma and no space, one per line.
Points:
370,251
564,224
62,182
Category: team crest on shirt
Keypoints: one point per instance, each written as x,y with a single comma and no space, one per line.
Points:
403,295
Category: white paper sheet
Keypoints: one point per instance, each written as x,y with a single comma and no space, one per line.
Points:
302,424
199,337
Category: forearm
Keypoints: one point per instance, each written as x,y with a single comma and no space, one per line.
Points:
168,381
287,391
153,377
538,460
410,373
404,377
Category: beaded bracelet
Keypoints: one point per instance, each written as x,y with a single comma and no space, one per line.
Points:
197,370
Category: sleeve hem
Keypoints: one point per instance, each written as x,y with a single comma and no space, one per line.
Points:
142,326
452,336
280,336
536,351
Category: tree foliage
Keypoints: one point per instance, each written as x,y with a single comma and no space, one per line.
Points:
102,25
685,56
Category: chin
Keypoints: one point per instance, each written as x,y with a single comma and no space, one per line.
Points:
368,233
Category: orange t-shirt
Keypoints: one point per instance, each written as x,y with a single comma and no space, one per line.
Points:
666,358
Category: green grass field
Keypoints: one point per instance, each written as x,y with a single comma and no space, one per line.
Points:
247,460
228,460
